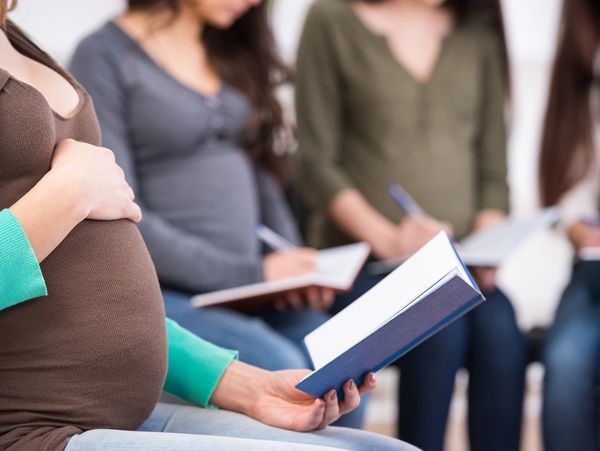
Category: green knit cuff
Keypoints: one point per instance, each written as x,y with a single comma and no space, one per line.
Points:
21,278
195,365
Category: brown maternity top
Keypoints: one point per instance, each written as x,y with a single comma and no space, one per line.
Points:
93,353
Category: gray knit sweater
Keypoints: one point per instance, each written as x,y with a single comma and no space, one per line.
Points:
201,196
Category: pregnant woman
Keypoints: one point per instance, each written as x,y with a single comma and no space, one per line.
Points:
83,367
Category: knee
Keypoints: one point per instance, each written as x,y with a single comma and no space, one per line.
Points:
566,359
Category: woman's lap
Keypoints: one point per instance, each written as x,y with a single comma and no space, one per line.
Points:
109,440
172,427
192,420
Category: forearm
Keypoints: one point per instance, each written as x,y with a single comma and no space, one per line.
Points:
195,365
49,211
351,212
238,387
487,217
194,263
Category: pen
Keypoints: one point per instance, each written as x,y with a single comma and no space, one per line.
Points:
406,202
591,222
272,239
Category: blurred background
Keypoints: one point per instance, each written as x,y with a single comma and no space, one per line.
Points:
534,287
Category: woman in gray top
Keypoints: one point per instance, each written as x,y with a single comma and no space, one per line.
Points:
184,92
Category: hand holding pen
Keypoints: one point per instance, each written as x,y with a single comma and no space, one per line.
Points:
416,228
287,261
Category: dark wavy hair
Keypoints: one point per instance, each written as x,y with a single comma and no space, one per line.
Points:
486,12
567,149
245,56
5,7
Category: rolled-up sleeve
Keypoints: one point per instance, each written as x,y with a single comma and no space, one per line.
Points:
493,186
21,278
319,113
195,365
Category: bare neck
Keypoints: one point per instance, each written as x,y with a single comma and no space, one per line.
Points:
7,51
385,17
185,27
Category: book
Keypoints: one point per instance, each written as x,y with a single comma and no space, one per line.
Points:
337,268
488,247
422,296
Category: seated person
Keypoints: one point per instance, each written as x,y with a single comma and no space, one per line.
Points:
82,368
412,92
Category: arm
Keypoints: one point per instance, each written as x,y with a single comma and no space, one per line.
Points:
183,260
274,210
49,212
29,232
491,143
195,365
351,211
84,182
20,275
319,113
205,374
320,129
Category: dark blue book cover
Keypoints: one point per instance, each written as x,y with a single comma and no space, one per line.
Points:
396,337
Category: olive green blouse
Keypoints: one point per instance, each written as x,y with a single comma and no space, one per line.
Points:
364,122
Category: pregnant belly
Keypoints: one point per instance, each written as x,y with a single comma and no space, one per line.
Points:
91,354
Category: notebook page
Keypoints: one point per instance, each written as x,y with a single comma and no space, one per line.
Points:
490,246
339,266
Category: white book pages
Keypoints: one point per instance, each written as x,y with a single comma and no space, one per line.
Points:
407,283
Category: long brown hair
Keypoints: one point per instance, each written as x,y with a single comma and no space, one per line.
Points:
567,150
486,12
5,7
245,56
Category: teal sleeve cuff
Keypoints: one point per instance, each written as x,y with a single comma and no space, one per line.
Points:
21,278
195,365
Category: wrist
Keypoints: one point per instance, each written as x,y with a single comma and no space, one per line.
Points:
72,189
384,240
240,387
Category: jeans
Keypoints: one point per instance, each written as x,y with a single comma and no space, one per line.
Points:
488,342
272,340
177,428
571,359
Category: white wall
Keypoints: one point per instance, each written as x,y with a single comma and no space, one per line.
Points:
536,273
59,24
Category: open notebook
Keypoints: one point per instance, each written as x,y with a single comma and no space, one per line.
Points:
337,268
422,296
490,246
